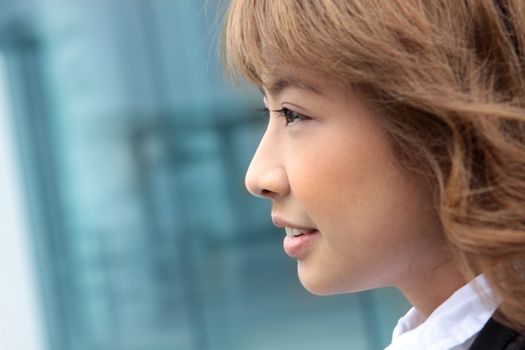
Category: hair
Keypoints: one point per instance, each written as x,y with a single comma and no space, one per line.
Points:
447,79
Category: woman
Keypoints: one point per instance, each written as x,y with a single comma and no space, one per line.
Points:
395,154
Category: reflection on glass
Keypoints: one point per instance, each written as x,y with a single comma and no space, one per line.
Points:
134,150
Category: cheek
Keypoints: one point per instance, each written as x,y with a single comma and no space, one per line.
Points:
354,191
346,174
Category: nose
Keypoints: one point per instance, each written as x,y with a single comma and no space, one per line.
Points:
266,176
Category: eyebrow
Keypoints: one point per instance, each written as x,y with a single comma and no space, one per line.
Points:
276,86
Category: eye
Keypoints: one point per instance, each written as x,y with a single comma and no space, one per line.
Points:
288,115
265,111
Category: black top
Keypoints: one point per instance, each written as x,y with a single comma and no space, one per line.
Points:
495,336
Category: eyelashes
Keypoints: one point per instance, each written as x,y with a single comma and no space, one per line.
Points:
287,114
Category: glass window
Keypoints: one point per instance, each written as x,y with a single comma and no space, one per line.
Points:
134,150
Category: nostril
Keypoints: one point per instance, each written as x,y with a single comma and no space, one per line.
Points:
267,193
266,182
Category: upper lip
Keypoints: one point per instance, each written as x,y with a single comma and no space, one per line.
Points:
282,223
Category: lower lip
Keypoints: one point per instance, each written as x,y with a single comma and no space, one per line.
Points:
295,246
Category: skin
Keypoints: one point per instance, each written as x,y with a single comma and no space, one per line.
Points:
332,168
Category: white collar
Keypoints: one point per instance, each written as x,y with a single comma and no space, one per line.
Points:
453,325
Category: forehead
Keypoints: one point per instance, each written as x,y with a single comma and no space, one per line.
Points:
274,82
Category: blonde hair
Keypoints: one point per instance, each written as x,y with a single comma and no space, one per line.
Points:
448,80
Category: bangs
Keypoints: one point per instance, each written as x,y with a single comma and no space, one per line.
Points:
354,42
259,36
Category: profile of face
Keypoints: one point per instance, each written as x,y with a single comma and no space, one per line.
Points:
327,165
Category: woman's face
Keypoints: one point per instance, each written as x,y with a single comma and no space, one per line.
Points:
326,165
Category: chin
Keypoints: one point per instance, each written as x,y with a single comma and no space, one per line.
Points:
327,290
322,285
318,291
318,286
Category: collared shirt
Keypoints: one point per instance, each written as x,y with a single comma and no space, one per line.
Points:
452,326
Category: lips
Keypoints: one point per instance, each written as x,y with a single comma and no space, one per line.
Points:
295,232
296,246
277,221
298,239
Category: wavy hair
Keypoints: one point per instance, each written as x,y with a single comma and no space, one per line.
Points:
447,78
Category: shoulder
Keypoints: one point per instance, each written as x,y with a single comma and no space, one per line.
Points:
496,336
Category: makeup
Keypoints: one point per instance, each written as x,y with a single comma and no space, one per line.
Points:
296,245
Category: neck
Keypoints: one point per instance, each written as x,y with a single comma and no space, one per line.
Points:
430,289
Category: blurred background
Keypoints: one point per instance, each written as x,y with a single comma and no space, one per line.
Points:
124,221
